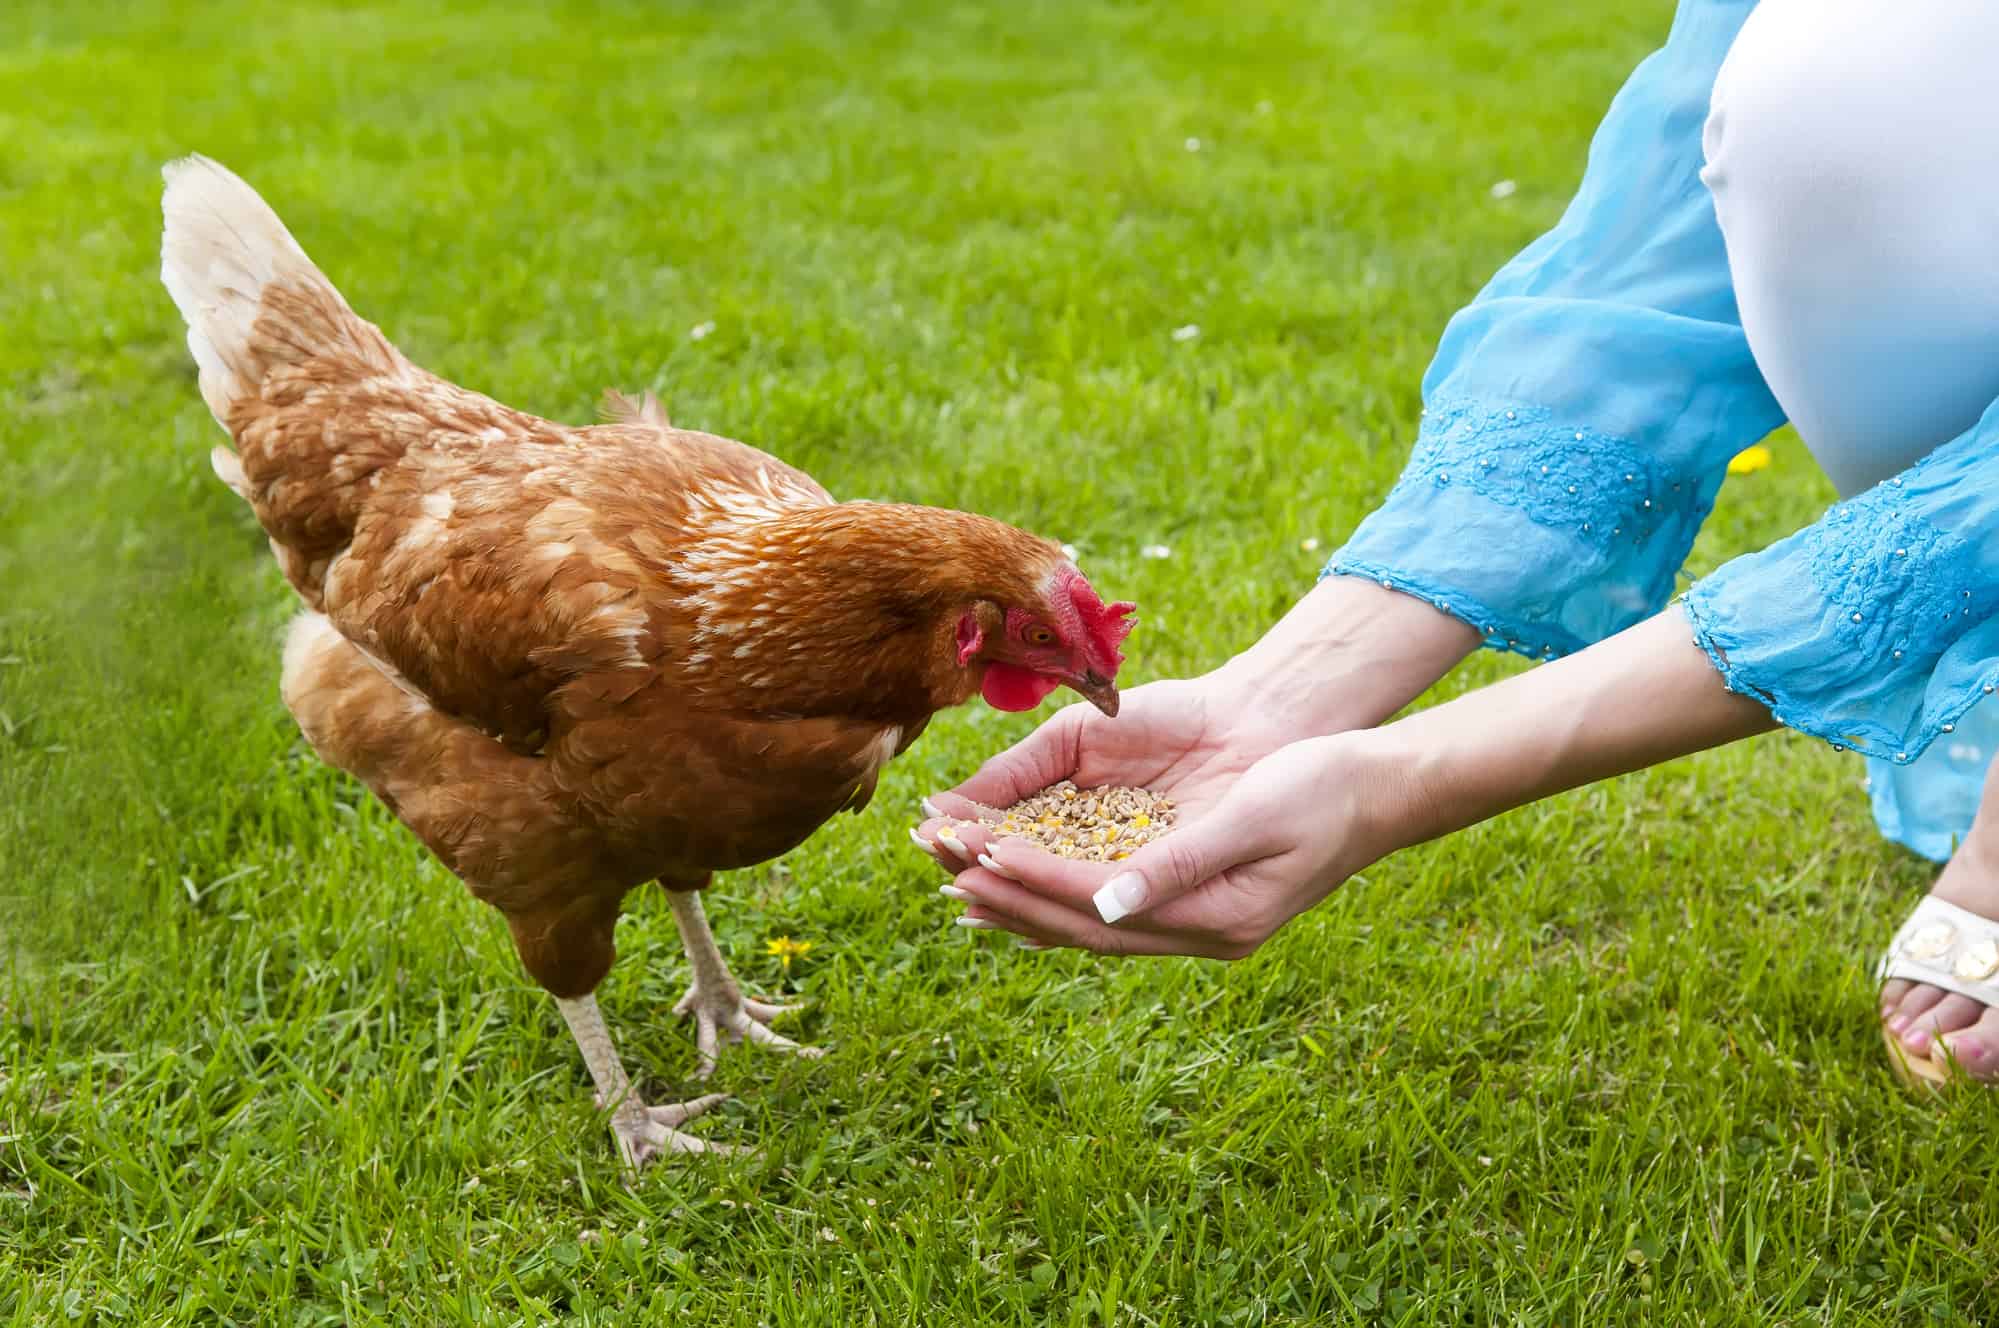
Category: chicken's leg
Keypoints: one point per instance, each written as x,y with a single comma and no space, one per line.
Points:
643,1132
719,1007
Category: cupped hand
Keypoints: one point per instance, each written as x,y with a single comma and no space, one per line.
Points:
1185,738
1260,837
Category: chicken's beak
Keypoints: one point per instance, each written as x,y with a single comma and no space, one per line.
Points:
1098,690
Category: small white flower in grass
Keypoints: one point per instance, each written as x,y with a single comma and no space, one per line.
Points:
1187,332
830,1236
699,330
1155,551
1193,145
1309,545
1504,188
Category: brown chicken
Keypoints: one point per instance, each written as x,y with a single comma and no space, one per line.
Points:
574,660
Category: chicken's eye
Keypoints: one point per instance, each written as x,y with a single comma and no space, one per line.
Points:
1038,636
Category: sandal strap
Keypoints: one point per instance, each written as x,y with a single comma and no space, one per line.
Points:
1946,946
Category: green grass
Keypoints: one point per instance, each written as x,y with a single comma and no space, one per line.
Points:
1610,1059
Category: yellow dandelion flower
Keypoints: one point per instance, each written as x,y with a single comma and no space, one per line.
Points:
1749,460
784,950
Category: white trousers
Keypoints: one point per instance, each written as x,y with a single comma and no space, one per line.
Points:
1853,154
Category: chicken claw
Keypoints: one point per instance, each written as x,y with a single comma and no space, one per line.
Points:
645,1133
721,1011
731,1017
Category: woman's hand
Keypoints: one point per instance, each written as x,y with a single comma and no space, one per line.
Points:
1255,845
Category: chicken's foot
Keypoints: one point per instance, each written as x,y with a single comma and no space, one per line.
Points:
718,1005
643,1132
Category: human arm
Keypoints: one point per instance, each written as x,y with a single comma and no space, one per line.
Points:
1580,414
1302,820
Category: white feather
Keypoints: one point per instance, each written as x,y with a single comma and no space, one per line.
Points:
222,245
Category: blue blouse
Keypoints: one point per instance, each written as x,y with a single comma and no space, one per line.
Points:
1579,419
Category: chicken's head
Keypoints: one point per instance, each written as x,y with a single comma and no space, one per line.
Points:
1063,635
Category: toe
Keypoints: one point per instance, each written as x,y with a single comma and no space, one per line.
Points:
1916,1001
1975,1047
779,1042
1952,1014
1892,993
679,1113
706,1044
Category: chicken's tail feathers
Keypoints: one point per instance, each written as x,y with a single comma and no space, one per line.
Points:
251,297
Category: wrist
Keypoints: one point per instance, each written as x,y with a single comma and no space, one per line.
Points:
1362,798
1348,655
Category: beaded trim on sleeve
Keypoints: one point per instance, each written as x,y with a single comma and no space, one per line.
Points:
1896,592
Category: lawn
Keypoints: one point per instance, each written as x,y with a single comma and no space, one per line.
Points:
1611,1059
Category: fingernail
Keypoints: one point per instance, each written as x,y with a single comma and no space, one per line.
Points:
1026,944
953,892
921,842
954,846
986,861
1120,896
931,809
978,924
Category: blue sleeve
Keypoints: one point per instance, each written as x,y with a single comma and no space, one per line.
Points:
1873,628
1581,411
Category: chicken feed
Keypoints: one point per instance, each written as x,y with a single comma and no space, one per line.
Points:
1096,825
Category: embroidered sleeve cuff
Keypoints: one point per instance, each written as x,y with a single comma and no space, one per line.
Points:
1543,534
1873,628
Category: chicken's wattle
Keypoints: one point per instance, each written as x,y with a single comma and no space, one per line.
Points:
1011,687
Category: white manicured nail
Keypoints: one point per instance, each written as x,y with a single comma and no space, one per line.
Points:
931,809
1026,944
953,892
978,924
1121,896
954,846
986,861
921,842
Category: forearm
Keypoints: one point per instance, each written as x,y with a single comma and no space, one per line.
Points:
1348,655
1643,696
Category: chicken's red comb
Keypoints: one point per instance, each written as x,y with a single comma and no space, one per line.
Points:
1107,624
